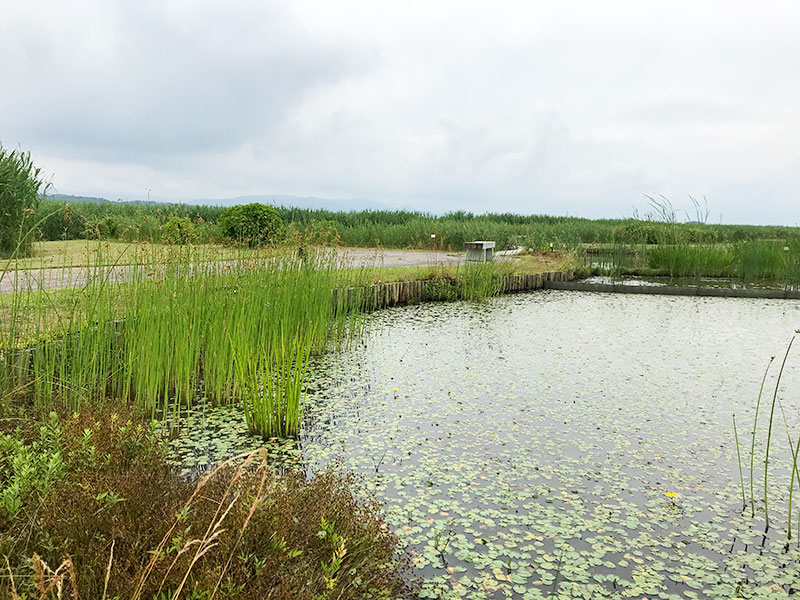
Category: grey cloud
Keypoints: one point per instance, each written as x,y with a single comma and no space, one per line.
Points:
687,111
153,87
536,107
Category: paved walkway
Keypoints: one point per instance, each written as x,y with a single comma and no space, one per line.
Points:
57,278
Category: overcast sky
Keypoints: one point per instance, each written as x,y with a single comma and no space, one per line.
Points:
574,107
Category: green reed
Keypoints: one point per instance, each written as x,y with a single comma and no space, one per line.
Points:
750,261
739,457
184,327
187,328
769,430
472,282
794,446
753,441
482,280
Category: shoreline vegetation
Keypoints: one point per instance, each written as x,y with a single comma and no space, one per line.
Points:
90,508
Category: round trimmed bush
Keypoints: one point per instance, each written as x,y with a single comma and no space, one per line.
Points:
252,224
178,230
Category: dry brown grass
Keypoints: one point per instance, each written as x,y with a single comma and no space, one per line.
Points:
123,523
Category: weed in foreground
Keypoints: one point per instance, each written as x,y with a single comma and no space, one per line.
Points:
117,521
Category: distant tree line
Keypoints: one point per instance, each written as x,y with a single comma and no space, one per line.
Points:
181,223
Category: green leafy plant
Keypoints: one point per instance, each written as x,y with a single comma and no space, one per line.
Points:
252,224
29,468
178,230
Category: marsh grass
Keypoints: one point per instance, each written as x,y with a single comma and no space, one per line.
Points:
188,328
173,331
185,327
688,260
473,282
660,245
748,262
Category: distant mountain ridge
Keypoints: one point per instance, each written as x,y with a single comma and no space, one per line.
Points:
334,204
311,202
86,199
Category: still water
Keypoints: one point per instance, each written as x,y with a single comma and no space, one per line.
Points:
561,444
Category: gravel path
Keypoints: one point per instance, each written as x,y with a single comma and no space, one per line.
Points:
57,278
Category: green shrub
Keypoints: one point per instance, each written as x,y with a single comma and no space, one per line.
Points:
21,183
60,221
178,230
28,469
144,228
208,233
101,228
252,224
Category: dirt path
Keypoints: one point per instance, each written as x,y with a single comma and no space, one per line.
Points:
57,278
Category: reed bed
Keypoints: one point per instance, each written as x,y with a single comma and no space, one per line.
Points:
393,228
655,245
757,261
186,330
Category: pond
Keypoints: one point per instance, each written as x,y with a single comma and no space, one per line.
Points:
560,444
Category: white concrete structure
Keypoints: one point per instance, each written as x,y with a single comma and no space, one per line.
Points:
479,251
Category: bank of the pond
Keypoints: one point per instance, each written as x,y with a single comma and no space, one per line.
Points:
400,293
672,290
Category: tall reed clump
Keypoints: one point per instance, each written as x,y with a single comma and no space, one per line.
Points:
483,280
21,185
749,261
189,329
693,260
762,260
467,282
